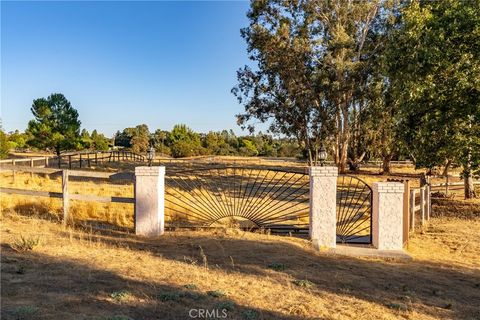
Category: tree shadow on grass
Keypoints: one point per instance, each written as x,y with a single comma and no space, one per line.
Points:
428,288
36,286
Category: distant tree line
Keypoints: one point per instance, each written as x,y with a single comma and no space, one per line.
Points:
56,128
182,141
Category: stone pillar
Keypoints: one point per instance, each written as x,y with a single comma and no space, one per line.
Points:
387,216
149,201
323,206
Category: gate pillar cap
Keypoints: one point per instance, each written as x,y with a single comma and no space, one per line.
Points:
388,187
149,171
330,171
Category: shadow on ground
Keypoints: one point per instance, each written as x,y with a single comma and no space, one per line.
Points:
59,289
426,286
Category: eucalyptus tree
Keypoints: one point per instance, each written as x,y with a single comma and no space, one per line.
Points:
435,68
312,59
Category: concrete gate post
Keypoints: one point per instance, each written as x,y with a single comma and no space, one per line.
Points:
323,206
149,201
387,215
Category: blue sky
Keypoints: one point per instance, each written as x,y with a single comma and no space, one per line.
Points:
124,63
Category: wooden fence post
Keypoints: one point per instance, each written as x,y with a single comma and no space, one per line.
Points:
65,195
96,158
31,166
46,162
422,205
406,212
88,159
80,160
69,162
446,185
429,201
412,209
13,171
428,191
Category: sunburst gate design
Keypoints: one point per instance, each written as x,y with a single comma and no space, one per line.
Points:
354,210
260,198
265,198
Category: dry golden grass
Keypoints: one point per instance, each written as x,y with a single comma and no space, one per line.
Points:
84,272
118,214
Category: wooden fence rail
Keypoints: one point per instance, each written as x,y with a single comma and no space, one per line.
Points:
65,195
83,159
450,186
422,204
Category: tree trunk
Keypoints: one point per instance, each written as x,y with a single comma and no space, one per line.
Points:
386,161
344,138
342,165
354,164
469,186
447,166
445,174
57,150
468,178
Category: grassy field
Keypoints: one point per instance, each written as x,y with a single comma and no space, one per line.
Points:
81,272
74,273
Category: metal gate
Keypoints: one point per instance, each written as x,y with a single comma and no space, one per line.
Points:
253,198
354,210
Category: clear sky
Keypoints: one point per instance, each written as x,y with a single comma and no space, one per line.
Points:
124,63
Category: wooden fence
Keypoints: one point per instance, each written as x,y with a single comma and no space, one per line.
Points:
447,186
79,159
65,195
416,202
420,201
86,159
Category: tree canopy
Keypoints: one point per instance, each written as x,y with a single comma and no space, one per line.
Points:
435,69
55,124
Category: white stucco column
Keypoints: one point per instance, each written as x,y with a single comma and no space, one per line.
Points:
323,202
149,201
387,223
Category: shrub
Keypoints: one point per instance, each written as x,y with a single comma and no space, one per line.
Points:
25,243
120,295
